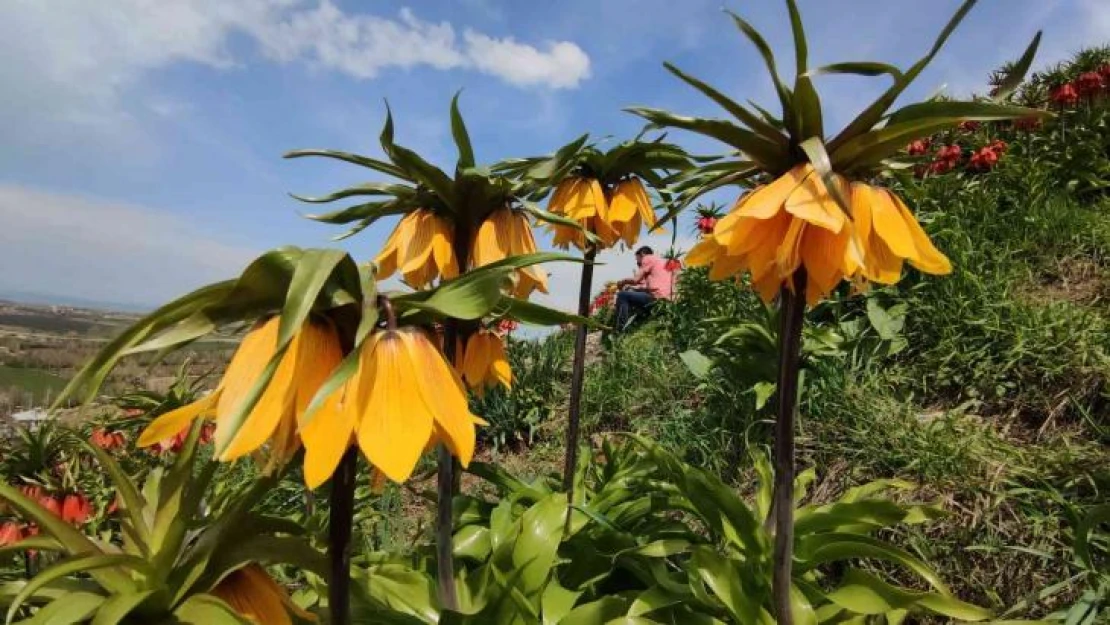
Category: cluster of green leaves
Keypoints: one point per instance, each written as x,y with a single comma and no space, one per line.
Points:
465,199
171,549
650,539
516,415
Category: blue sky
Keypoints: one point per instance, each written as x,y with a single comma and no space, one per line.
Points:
142,140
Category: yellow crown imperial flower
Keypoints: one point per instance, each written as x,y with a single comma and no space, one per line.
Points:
312,356
403,397
630,209
484,362
506,233
255,595
795,222
421,247
583,200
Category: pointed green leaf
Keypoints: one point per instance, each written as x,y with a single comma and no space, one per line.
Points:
814,148
74,607
314,269
367,188
132,502
753,121
364,161
770,156
528,312
462,137
858,68
78,564
785,97
117,607
367,213
207,610
1017,73
864,593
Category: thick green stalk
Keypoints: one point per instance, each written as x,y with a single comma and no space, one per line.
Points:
339,538
792,312
578,372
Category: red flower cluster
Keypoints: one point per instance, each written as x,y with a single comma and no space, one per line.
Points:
946,159
506,326
706,224
602,300
1088,84
108,440
919,147
73,508
673,265
11,533
177,441
985,158
969,126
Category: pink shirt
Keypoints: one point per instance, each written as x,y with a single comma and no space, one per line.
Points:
654,276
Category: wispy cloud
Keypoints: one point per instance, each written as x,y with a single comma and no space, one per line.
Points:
105,250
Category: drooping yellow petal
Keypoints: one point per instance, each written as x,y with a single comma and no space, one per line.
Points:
419,248
889,224
475,360
499,369
443,395
173,422
703,253
929,258
766,201
244,369
443,251
812,202
328,436
726,265
623,207
393,428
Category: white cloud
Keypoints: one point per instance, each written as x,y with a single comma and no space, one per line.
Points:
72,63
103,250
563,66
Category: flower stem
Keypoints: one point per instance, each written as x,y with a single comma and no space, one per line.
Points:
339,538
792,312
578,372
445,494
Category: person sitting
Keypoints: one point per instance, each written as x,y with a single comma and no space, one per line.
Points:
652,281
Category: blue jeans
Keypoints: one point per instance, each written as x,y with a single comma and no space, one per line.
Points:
629,302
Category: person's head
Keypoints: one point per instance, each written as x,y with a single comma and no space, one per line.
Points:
643,251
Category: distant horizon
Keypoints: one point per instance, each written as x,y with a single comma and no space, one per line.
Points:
39,298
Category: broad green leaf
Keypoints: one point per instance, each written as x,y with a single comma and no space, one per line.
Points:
74,607
654,598
462,137
403,590
132,502
314,269
1017,73
597,612
962,111
364,161
536,547
724,577
79,564
472,542
1082,543
117,607
207,610
663,548
268,549
532,313
557,602
802,609
698,363
864,593
88,380
815,550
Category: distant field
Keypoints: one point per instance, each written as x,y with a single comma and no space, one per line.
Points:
39,383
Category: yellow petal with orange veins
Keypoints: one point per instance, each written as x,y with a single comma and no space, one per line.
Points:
558,202
767,287
788,257
883,265
173,422
766,201
392,427
277,403
329,434
812,202
442,392
597,195
823,257
442,250
890,225
623,207
929,258
725,266
419,248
